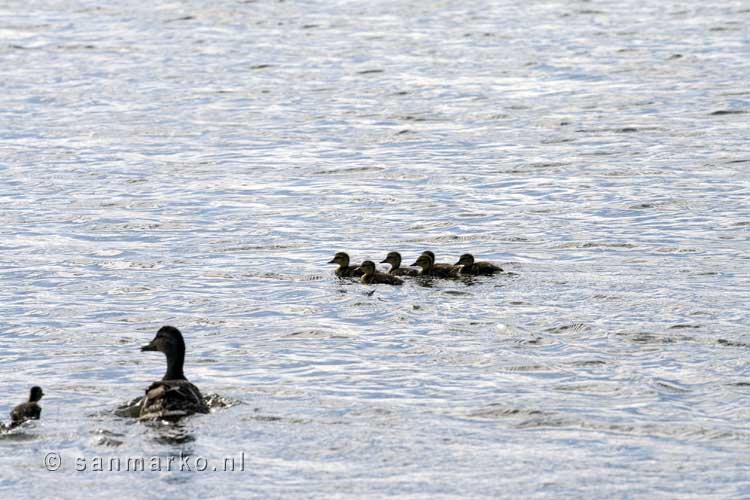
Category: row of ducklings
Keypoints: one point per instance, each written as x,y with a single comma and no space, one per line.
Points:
170,398
368,274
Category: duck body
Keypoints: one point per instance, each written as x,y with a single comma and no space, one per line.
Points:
470,267
429,268
171,400
394,259
372,276
29,410
24,412
481,269
443,271
404,271
348,272
173,396
345,270
381,278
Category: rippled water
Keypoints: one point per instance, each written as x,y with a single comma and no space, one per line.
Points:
198,163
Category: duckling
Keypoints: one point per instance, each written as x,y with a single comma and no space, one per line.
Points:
173,396
429,268
469,266
372,276
448,268
394,259
29,410
345,270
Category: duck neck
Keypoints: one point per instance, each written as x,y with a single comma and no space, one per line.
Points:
175,362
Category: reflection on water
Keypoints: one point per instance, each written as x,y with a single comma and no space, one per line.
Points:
197,164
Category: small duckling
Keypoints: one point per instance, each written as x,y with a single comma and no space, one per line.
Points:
29,410
372,276
469,266
394,259
345,270
173,396
439,265
429,268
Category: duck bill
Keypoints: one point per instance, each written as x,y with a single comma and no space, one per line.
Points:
332,261
149,347
386,261
414,265
357,269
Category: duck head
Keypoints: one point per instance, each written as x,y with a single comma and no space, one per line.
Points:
430,254
465,260
35,394
393,258
341,258
367,267
425,262
169,341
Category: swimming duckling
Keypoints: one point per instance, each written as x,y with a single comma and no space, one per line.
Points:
394,259
29,410
448,268
469,266
372,276
429,268
173,396
345,270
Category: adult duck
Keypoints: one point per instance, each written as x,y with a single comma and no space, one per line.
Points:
394,259
173,396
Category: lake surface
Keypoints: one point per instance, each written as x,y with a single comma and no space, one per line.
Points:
198,163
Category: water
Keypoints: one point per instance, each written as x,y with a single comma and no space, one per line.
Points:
198,163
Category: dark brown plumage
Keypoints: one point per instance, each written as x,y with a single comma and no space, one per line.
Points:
372,276
440,268
345,270
173,396
429,268
471,267
29,410
394,259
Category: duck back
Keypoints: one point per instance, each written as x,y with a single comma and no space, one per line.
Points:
349,272
443,271
381,278
171,400
481,268
404,271
24,412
